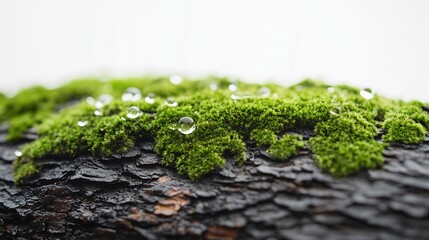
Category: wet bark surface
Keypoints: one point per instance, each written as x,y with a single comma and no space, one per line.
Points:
133,196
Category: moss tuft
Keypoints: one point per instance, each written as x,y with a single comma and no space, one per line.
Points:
344,158
24,170
263,137
286,147
345,125
403,129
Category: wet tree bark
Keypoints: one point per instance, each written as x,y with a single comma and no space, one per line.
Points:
132,196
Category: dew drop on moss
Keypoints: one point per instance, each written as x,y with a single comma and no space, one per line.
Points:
18,153
90,101
336,110
264,92
233,87
240,95
213,86
367,93
133,112
131,94
98,112
186,125
150,98
176,79
330,89
103,100
82,123
171,102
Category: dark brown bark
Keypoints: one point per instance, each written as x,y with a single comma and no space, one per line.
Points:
132,196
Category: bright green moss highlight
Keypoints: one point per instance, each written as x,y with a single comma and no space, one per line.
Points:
402,128
342,144
263,137
23,170
286,147
344,158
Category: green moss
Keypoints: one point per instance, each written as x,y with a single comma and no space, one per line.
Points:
263,137
345,158
286,147
24,170
345,125
402,128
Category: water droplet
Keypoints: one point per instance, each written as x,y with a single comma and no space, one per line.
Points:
18,153
186,125
213,86
98,112
367,93
264,92
330,89
170,102
123,119
150,98
335,110
233,87
176,79
239,95
133,112
131,94
103,100
90,101
82,123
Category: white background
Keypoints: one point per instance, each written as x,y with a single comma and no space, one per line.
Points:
381,44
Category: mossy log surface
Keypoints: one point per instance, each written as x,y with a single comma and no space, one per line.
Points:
133,196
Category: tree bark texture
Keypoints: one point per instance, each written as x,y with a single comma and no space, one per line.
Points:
133,196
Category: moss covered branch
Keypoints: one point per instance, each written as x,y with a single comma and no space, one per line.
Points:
80,118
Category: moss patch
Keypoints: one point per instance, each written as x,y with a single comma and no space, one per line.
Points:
286,147
345,125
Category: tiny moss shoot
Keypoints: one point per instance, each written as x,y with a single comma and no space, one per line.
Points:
79,118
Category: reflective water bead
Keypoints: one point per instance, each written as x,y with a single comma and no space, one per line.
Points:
264,92
18,153
239,95
233,87
213,86
367,93
330,89
336,110
103,100
186,125
90,101
170,102
131,94
133,112
176,79
82,123
150,98
98,112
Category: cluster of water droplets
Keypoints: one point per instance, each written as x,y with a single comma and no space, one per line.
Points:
131,94
102,101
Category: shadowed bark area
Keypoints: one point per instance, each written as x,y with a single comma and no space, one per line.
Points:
132,196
